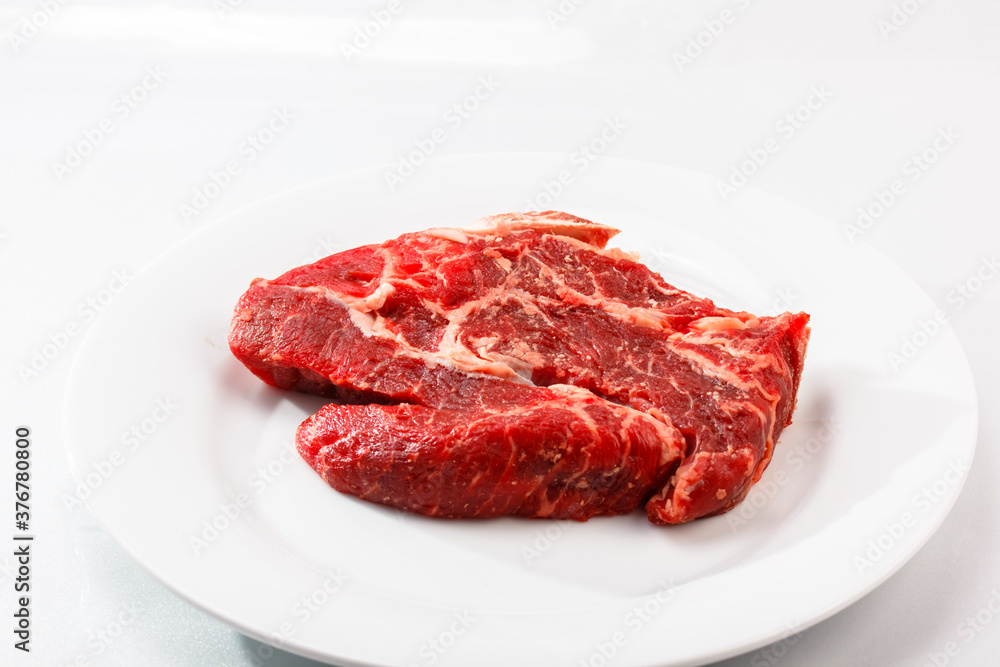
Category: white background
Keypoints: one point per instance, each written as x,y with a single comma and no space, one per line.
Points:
63,235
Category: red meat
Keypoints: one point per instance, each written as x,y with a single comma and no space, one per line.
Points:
523,369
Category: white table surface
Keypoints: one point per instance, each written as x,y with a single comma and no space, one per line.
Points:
220,75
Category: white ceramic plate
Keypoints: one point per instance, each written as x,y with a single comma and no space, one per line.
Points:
191,468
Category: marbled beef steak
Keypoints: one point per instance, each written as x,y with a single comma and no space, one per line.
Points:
522,368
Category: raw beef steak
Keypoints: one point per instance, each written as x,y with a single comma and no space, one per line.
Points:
523,368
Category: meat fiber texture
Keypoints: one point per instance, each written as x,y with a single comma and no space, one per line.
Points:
522,368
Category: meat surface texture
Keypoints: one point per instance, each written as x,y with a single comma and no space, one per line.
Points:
523,368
